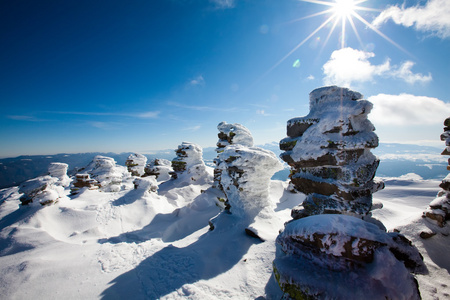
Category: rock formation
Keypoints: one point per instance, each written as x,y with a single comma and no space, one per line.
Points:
343,257
329,154
83,181
439,209
189,166
230,134
246,173
160,168
329,251
105,173
148,184
136,164
46,189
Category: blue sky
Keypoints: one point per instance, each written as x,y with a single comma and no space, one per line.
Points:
83,76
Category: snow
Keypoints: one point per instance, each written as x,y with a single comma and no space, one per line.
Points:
132,243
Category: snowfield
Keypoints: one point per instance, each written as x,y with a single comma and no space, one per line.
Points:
136,244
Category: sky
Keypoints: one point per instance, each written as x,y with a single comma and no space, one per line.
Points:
119,76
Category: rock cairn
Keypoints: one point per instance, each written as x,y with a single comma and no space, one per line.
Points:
330,246
160,168
439,208
329,154
136,163
46,189
229,134
189,166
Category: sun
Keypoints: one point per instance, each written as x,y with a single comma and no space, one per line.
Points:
344,8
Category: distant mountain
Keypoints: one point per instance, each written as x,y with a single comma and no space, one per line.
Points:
396,160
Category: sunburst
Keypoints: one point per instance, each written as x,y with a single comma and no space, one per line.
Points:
343,12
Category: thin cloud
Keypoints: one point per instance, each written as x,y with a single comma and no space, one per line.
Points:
24,118
406,109
204,108
193,128
433,17
223,4
144,115
197,81
348,65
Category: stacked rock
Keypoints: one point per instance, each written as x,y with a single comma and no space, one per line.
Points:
160,168
439,208
329,246
83,181
189,166
230,134
47,189
329,154
103,172
246,174
136,164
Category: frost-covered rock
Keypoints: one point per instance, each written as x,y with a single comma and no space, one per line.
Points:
343,257
189,166
46,189
329,154
439,208
59,170
83,181
160,168
136,163
246,173
149,184
106,173
230,134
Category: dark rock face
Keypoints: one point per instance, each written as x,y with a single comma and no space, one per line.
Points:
329,153
439,209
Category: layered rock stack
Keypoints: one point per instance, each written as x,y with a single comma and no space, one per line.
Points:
329,154
230,134
48,189
329,250
136,163
189,166
439,208
83,181
160,168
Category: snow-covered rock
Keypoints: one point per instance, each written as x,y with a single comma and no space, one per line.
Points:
329,154
189,166
230,134
46,189
246,173
105,171
160,168
439,209
59,170
136,163
149,184
343,257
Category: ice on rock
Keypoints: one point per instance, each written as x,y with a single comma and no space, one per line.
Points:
136,163
59,170
189,166
230,134
160,168
439,208
343,257
104,173
329,154
330,250
46,189
246,173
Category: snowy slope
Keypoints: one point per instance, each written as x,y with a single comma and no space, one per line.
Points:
139,245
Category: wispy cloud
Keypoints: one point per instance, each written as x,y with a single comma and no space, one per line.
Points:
25,118
192,128
349,65
433,17
223,3
143,115
197,81
204,108
406,109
